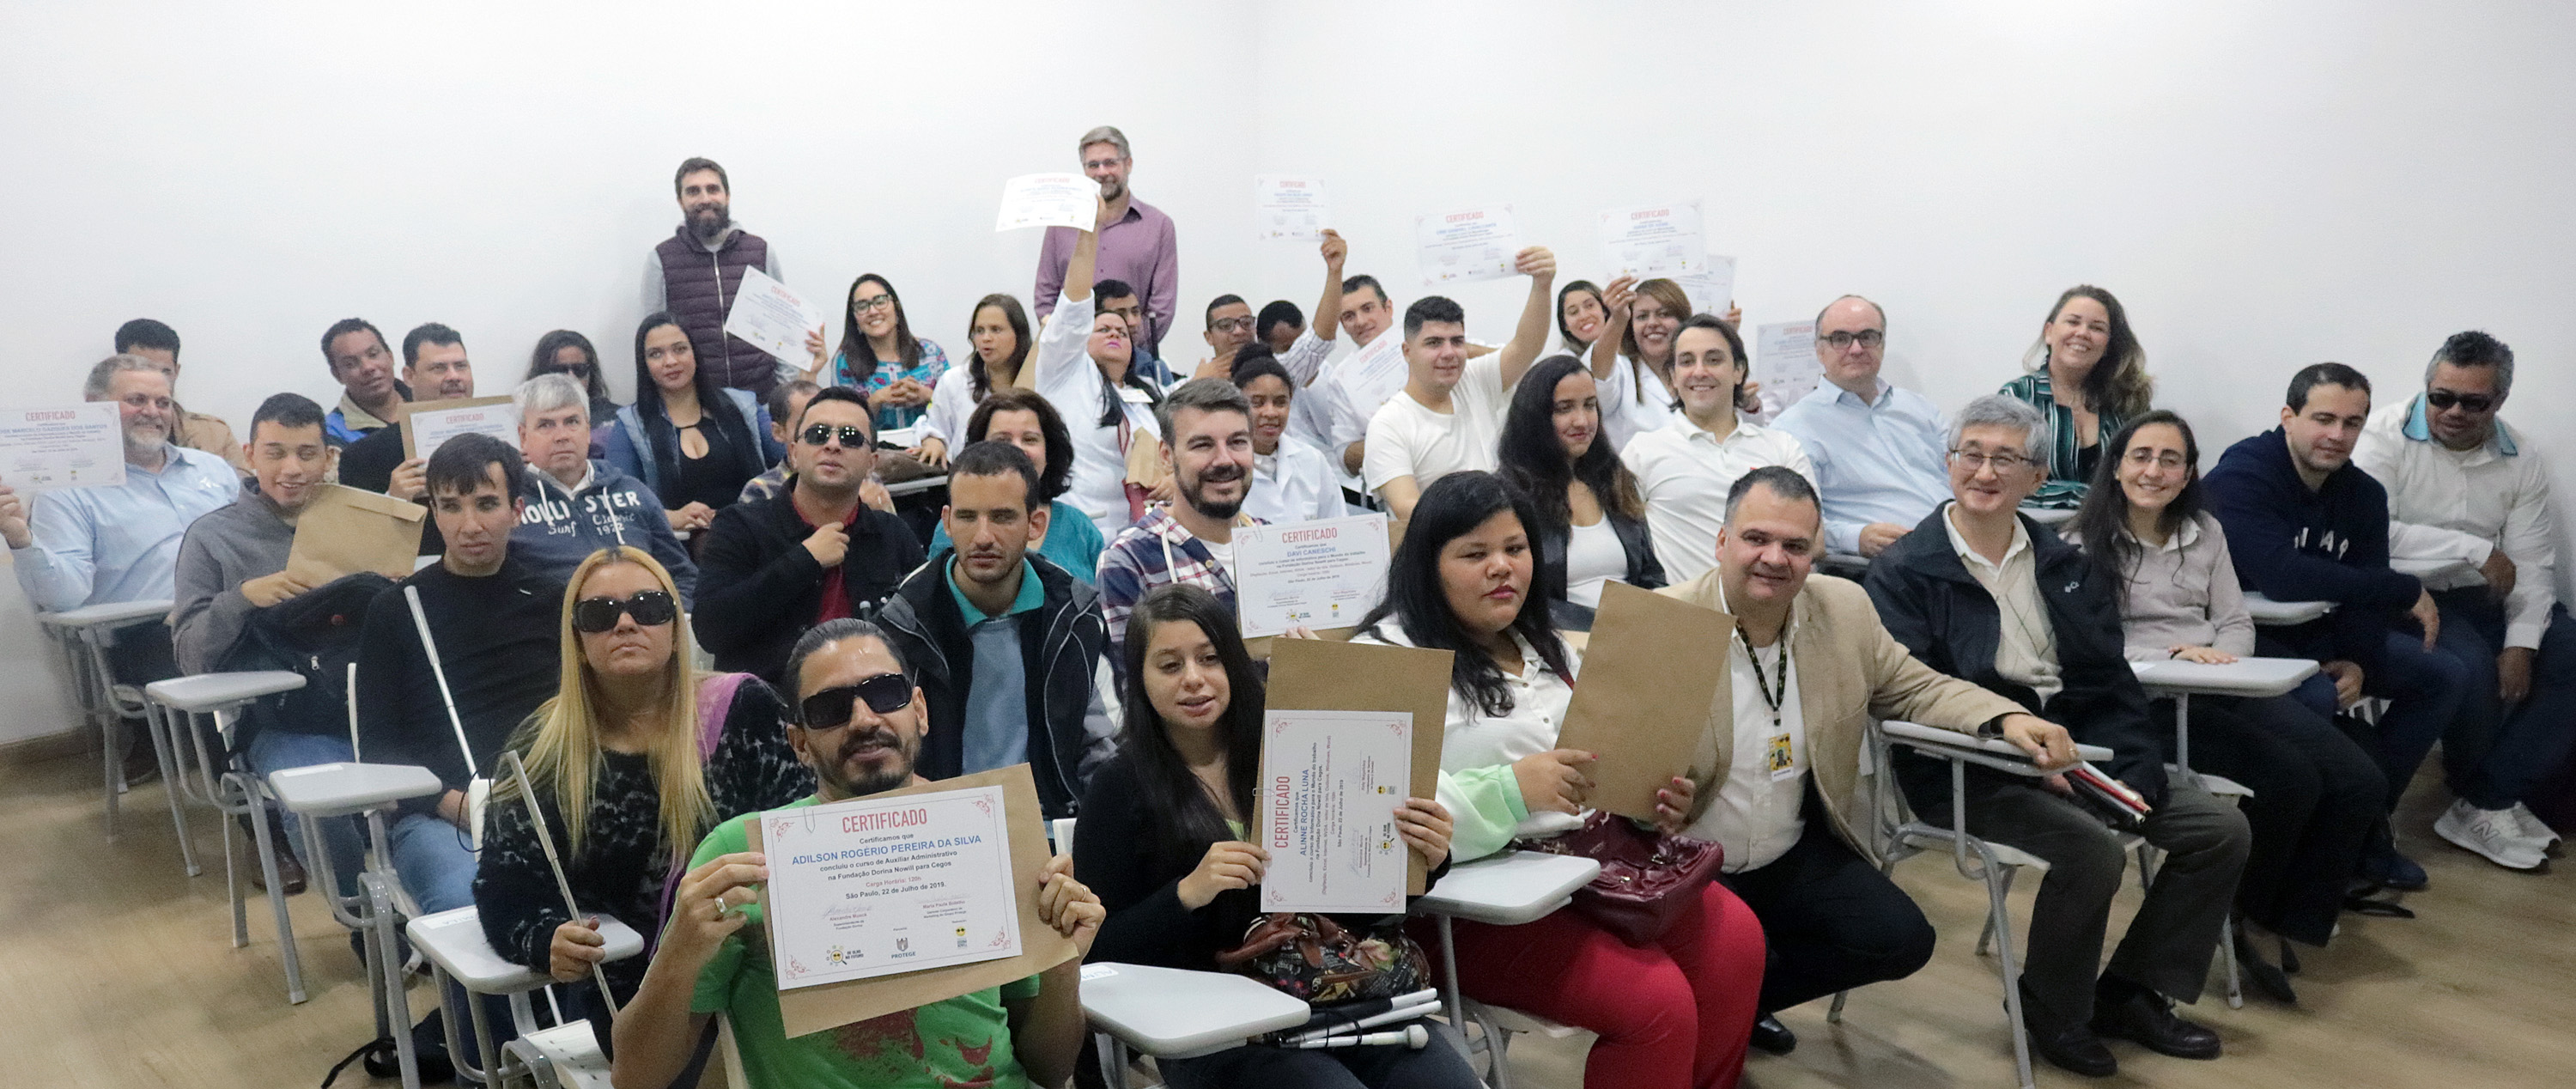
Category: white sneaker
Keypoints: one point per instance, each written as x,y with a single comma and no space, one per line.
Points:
2492,833
2533,828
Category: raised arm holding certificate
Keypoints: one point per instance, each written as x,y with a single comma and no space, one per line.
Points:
1048,200
768,316
430,424
73,446
1647,693
1319,574
1290,208
1463,247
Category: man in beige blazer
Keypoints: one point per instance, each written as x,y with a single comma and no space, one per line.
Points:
1809,667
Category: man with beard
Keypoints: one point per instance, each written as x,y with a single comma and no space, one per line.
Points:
92,546
1005,643
859,725
371,399
1137,244
696,273
159,343
1207,447
772,568
434,369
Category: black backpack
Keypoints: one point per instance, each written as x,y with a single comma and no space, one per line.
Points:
313,635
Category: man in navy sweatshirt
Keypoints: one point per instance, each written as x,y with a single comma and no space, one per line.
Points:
578,505
2304,524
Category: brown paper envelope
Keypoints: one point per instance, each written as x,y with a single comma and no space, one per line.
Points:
1317,675
832,1005
1648,691
346,530
411,449
1145,461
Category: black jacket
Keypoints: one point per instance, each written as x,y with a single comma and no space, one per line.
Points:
1945,617
1643,571
1060,648
759,589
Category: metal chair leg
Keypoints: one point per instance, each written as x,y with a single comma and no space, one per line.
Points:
1834,1013
173,764
2227,953
1113,1059
276,893
1999,912
1986,937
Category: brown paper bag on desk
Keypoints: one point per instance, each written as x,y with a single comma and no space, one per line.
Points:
1652,677
346,530
832,1005
1316,675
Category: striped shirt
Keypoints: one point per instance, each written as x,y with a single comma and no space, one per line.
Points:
2067,478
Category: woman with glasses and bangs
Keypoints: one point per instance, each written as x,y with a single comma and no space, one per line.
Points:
632,762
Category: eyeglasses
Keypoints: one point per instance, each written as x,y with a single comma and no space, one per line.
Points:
2441,400
1233,325
1975,460
830,709
2143,457
650,608
1102,164
872,302
852,436
1866,338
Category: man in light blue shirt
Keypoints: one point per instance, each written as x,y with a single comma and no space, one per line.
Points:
1878,450
92,546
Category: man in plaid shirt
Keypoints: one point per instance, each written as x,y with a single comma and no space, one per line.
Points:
1207,447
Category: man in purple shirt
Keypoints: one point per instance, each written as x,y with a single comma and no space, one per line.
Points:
1137,246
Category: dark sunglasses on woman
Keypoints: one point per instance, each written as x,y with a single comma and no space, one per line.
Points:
829,709
593,615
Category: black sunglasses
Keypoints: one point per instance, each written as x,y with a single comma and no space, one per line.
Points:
593,615
829,709
2441,400
851,436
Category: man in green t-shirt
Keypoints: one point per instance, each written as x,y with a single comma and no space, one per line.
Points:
859,722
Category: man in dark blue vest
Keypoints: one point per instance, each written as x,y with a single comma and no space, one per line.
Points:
696,273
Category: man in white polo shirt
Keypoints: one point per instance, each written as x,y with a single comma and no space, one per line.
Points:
1685,468
1449,414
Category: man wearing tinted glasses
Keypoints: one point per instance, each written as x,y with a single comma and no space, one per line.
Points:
773,567
2461,495
1006,643
1878,450
859,725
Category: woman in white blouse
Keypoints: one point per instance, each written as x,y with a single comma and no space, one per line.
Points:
1591,527
1082,368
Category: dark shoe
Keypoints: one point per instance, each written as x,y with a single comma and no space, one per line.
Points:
2076,1050
142,763
2381,865
2289,958
2148,1019
2274,983
290,873
1773,1038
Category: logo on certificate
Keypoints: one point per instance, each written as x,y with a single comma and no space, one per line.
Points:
961,937
903,945
840,956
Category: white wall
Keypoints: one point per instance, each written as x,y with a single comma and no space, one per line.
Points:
2264,185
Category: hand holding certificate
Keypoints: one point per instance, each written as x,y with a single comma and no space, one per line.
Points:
1320,574
1048,200
1657,240
1463,247
74,446
1331,782
430,424
1286,207
768,316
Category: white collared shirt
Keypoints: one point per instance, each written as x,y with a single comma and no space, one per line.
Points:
1756,814
2027,653
2457,506
1684,472
1295,484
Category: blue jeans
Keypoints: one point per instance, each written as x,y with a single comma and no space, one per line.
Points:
273,750
2494,756
436,863
2425,690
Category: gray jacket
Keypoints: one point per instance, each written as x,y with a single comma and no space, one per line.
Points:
226,547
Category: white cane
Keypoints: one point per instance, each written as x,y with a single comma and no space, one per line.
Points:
478,790
510,763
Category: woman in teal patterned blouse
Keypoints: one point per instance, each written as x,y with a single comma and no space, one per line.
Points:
2088,376
880,357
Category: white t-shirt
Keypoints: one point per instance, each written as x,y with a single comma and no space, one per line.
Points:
1406,439
1070,381
1593,556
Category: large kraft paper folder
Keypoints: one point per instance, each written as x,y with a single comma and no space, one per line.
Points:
347,530
832,1005
1316,675
1654,678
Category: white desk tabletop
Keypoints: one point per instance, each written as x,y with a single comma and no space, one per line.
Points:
2243,677
1172,1013
1509,888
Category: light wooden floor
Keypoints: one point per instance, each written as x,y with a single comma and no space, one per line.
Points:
116,970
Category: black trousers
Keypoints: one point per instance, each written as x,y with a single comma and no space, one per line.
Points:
1831,919
2316,797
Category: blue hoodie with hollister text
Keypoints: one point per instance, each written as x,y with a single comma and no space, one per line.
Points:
563,527
2296,544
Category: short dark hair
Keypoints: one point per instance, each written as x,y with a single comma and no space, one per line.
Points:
784,397
428,332
457,466
1203,394
1249,365
1431,308
692,165
285,410
1354,283
1224,300
823,635
1279,310
843,394
1779,480
1057,477
989,458
2470,349
146,333
1113,289
341,328
2323,374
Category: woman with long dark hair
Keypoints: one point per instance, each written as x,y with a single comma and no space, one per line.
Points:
1025,420
999,334
1580,314
1591,525
693,442
566,352
1675,1012
1163,842
2088,376
880,357
2317,795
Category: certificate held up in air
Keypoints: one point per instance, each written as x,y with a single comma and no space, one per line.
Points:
1047,200
1466,246
768,316
1657,240
70,446
1289,208
430,424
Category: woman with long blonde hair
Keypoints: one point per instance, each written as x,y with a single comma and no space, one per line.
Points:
632,761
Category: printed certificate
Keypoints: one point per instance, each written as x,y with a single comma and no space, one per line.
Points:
1330,784
73,446
768,316
1322,574
876,886
1289,208
1656,240
1784,361
431,423
1713,289
1048,200
1462,247
1370,376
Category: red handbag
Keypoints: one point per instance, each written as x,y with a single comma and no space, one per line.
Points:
1648,879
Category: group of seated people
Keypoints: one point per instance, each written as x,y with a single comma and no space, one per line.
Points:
1072,608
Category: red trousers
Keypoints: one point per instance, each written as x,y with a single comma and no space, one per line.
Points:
1675,1014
